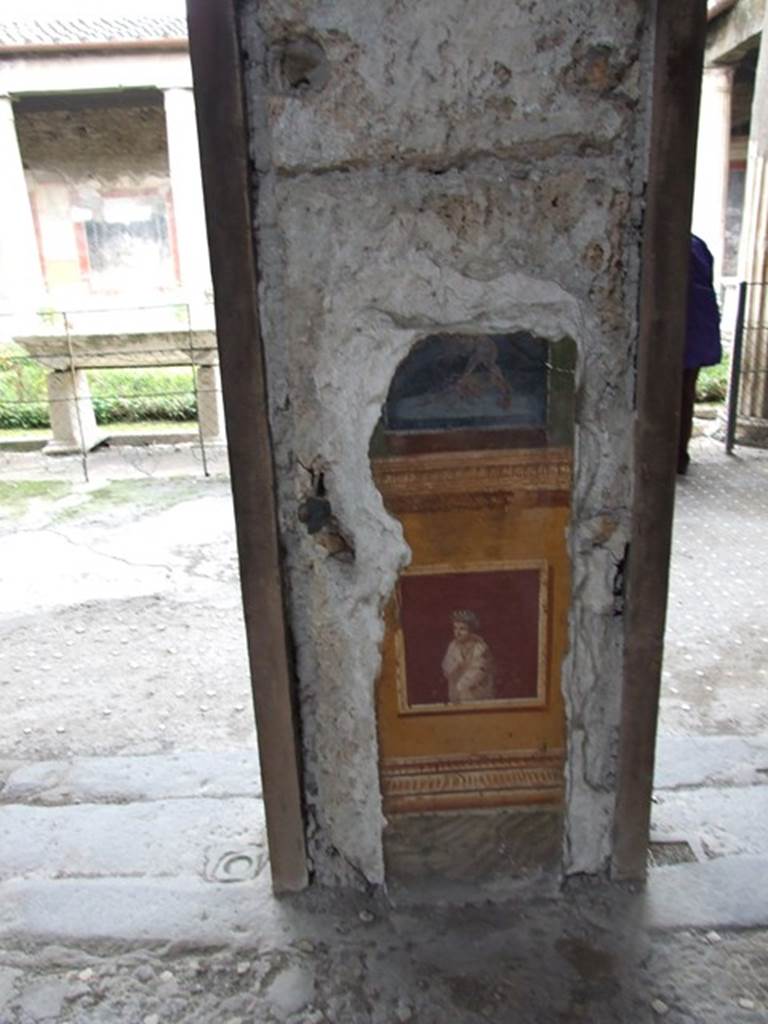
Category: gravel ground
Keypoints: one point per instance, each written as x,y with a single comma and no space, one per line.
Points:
120,619
716,658
129,587
526,963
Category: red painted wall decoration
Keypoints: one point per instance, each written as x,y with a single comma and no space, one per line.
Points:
472,639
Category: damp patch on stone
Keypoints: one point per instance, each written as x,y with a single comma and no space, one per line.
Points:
661,854
234,864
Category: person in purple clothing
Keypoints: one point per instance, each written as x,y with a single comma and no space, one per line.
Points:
702,339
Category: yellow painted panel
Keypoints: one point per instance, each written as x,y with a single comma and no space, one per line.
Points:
495,521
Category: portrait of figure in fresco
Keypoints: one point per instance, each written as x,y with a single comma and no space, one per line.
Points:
468,662
471,639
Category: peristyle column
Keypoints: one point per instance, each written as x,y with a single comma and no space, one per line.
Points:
753,262
712,161
21,278
73,423
187,190
210,407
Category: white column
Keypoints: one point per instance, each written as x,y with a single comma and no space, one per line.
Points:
22,289
73,423
210,407
187,190
753,262
710,194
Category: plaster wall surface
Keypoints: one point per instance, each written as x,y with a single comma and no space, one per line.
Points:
100,164
418,170
113,145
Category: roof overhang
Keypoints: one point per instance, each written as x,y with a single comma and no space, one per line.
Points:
116,46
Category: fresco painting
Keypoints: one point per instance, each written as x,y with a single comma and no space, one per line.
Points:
472,638
473,453
479,381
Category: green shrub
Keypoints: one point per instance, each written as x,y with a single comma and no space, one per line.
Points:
130,395
23,401
126,395
712,382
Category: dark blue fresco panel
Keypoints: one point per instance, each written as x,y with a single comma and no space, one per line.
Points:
460,381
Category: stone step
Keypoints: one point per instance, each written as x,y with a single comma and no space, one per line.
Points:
714,821
188,912
134,779
710,760
681,761
165,838
729,892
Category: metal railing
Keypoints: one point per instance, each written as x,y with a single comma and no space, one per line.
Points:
748,379
78,371
734,378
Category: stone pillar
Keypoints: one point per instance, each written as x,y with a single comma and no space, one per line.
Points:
187,189
73,422
753,263
210,408
21,278
712,161
366,254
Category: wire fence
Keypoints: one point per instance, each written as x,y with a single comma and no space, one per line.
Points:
139,384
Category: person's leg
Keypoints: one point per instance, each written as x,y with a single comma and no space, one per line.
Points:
687,400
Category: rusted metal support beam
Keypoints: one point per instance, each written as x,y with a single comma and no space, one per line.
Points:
678,59
217,72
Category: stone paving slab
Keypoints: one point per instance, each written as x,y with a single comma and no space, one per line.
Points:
185,911
716,822
710,760
730,892
162,838
128,779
